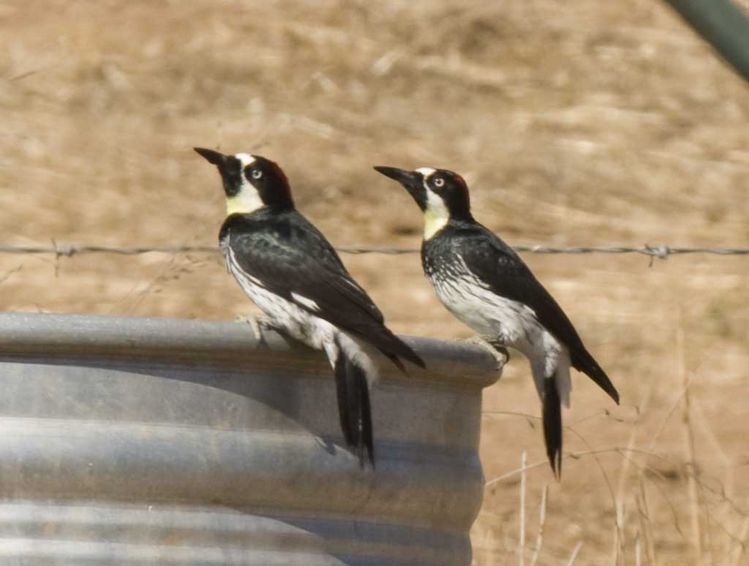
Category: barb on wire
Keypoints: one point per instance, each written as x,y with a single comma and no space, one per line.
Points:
661,251
69,250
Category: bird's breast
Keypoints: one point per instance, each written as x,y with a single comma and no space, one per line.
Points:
490,315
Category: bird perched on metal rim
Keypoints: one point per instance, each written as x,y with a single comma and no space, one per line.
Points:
293,274
485,284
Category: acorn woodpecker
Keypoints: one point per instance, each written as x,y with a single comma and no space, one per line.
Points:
293,274
485,284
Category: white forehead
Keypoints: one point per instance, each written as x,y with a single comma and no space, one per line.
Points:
426,171
245,159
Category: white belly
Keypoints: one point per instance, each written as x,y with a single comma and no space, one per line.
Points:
510,322
294,320
490,315
302,325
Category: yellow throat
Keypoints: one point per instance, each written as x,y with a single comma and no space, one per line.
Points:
433,223
436,215
244,202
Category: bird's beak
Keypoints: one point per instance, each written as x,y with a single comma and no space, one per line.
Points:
221,162
405,178
411,180
218,159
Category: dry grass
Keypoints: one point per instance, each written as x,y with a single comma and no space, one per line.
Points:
585,123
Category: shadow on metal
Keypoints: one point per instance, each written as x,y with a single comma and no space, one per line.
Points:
155,441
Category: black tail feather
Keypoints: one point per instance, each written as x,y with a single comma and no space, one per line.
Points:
393,347
345,412
397,363
407,353
583,361
397,349
366,421
354,408
552,421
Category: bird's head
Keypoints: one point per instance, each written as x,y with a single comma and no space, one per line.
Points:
441,195
250,181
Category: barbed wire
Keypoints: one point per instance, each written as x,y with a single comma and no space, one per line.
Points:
660,251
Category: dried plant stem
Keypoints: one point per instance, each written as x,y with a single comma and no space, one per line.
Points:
689,442
541,523
521,536
621,490
646,526
740,545
618,550
574,554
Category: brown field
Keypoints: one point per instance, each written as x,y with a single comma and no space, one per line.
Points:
581,123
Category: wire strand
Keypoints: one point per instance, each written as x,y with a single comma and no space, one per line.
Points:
660,251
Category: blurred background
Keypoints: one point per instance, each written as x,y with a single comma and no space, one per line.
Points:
575,123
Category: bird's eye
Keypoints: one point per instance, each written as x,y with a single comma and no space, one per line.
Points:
438,182
256,173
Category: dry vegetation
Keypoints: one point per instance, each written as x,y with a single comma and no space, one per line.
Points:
582,122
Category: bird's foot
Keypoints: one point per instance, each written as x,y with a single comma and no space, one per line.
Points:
259,324
496,349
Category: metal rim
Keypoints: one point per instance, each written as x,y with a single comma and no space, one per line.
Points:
233,344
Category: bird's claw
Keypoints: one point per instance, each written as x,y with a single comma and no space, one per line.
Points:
258,324
497,350
502,350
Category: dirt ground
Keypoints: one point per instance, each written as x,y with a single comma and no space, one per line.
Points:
585,123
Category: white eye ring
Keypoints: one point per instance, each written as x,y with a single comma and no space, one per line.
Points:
439,182
256,173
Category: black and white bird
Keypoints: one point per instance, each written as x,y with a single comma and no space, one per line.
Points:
485,284
293,274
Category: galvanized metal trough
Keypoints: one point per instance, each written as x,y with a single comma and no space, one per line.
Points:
155,441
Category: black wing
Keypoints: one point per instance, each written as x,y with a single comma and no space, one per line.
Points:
292,259
505,273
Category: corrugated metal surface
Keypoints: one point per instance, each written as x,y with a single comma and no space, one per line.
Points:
154,441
